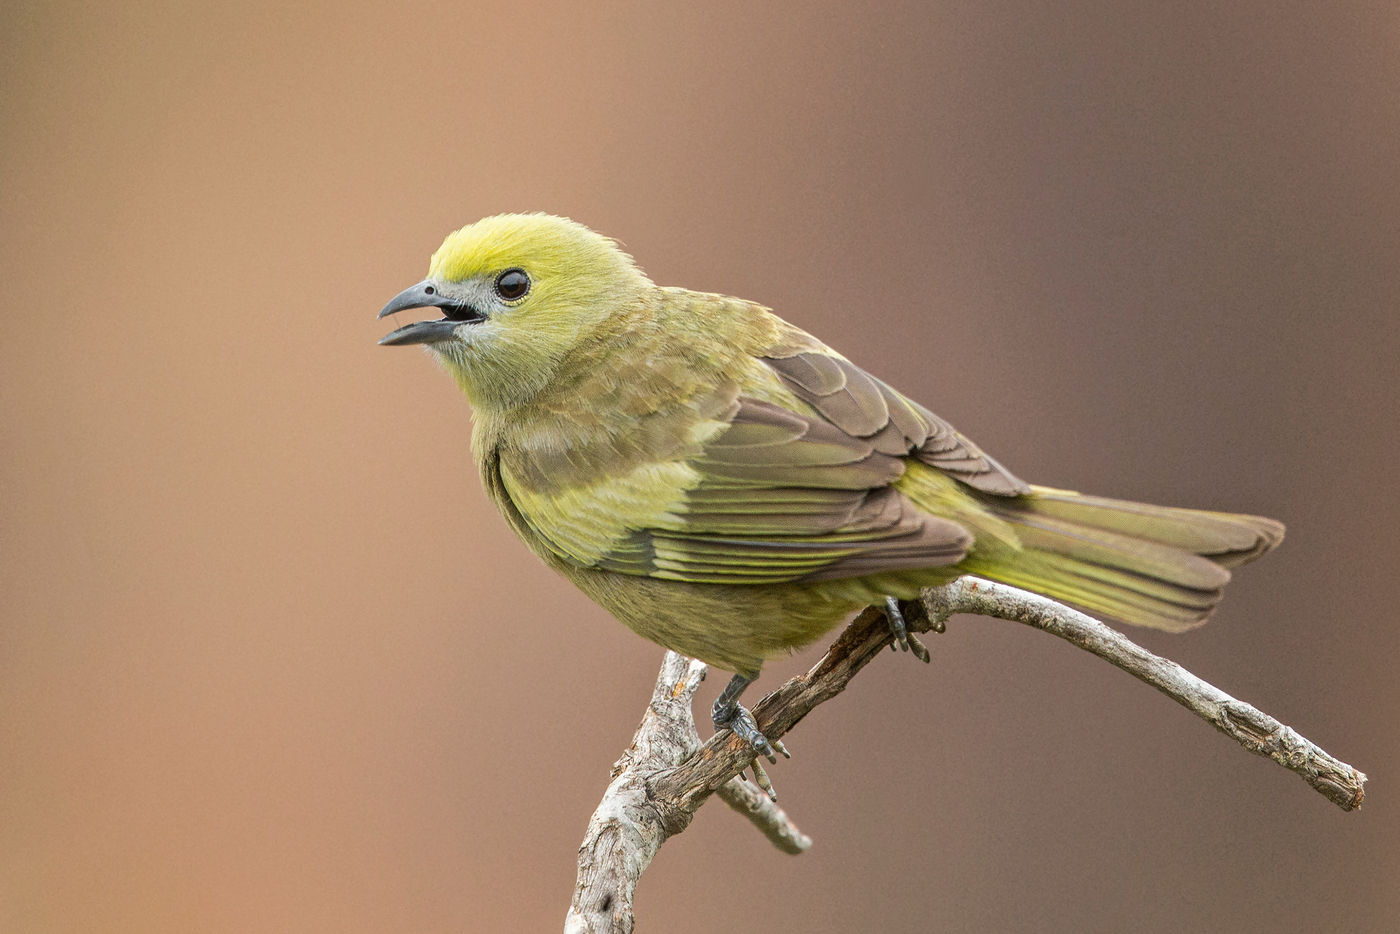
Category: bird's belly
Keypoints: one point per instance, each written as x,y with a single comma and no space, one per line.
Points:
731,627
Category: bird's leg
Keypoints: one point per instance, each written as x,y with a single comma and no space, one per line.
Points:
729,713
906,640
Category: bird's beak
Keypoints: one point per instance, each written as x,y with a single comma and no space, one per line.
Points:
426,295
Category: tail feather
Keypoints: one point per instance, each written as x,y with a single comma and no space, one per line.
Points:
1157,566
1226,538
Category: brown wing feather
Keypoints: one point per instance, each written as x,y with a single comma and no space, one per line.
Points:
865,407
790,497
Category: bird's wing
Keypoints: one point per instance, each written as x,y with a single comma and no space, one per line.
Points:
864,407
776,495
783,497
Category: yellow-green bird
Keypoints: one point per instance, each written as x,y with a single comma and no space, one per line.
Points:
731,488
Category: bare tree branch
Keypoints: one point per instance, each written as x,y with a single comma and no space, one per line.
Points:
626,831
666,775
764,814
1253,729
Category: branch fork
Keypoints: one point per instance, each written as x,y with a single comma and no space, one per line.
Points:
666,774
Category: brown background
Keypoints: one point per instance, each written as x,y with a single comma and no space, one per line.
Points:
270,662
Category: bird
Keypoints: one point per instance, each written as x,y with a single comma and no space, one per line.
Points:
731,488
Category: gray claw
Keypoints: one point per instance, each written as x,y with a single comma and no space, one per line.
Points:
897,626
918,648
760,778
906,640
746,728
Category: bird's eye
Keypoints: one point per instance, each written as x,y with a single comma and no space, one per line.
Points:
512,284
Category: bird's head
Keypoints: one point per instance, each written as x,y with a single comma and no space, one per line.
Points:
517,292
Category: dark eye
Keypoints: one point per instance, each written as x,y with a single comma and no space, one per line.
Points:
512,284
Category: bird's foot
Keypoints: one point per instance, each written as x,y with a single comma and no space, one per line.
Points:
729,714
905,640
738,719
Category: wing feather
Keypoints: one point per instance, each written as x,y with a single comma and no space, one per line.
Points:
784,497
858,403
771,490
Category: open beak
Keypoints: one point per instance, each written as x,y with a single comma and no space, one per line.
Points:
426,295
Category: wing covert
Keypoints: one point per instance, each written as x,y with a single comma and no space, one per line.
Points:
799,485
858,403
788,497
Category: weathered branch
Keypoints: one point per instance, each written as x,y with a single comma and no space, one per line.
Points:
626,830
1253,729
765,815
663,778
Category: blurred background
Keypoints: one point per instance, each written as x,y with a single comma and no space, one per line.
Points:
269,660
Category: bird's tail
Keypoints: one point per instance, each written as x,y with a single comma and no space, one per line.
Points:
1152,566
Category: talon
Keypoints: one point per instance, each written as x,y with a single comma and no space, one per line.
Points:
897,626
906,640
742,723
729,714
761,780
918,648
